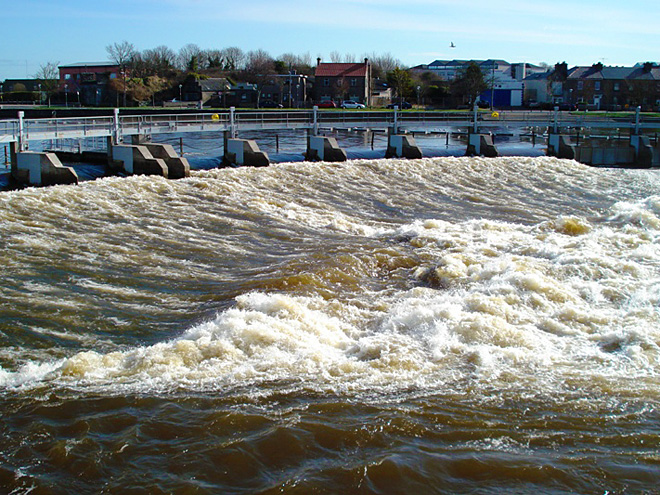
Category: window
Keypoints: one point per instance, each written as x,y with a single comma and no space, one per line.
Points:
617,86
353,81
597,86
580,85
67,76
326,81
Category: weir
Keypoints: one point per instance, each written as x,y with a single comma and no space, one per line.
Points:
151,158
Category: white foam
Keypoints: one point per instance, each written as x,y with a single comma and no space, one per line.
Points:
570,299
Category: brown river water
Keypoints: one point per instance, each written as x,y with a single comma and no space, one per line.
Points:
444,325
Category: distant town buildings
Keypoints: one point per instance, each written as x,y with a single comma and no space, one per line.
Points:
510,85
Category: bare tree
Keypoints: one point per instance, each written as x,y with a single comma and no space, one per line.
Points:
335,57
48,76
259,70
302,64
161,60
190,58
382,64
122,54
234,58
214,59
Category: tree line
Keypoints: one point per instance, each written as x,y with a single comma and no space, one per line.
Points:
156,73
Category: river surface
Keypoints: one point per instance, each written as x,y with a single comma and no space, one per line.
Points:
443,325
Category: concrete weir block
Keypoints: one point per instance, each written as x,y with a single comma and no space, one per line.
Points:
138,160
326,149
481,145
177,167
245,152
402,146
41,169
559,147
643,151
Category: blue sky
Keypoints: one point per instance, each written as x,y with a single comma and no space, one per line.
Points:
34,32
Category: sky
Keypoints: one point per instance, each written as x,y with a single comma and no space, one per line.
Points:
35,32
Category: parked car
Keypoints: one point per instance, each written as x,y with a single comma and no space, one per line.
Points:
351,104
269,104
326,104
404,105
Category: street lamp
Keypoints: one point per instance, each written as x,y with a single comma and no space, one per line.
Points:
40,98
180,97
66,95
123,77
492,86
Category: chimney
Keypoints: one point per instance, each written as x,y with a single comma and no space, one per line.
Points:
366,60
318,60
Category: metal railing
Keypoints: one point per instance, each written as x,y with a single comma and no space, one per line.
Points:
23,130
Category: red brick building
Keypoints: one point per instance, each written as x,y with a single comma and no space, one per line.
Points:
343,81
88,81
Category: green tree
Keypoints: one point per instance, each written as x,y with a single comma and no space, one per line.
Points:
401,82
48,76
469,84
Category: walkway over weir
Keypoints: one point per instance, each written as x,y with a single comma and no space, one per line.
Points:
23,130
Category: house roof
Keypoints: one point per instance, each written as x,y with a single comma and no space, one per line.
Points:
537,76
214,84
89,64
341,70
614,73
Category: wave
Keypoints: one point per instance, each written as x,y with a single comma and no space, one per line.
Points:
565,304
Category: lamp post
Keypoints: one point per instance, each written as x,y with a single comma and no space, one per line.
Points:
180,97
40,98
123,77
492,86
66,95
78,94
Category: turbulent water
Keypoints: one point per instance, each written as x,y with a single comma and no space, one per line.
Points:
444,325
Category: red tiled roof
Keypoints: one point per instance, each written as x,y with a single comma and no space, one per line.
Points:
341,70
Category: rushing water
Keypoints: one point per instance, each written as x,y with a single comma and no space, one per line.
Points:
444,325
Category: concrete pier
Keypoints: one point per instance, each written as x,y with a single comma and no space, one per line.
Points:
638,152
560,147
177,167
39,169
244,152
481,145
326,149
402,146
645,155
135,160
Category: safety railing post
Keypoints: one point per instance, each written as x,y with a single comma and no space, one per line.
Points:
395,129
21,131
115,126
232,122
